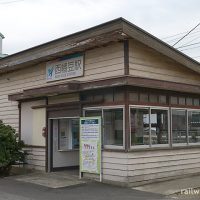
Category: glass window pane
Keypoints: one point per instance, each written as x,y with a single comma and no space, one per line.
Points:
87,97
163,99
108,96
75,133
68,133
118,96
196,102
179,126
159,126
194,126
134,96
144,97
113,127
174,100
139,126
181,100
189,101
153,98
98,97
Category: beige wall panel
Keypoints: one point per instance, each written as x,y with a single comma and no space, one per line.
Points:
163,159
145,62
110,154
114,166
39,122
63,98
151,75
29,125
115,172
162,175
115,178
115,160
167,152
99,63
150,165
165,169
36,158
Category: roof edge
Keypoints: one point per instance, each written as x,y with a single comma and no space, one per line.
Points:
76,34
160,41
1,35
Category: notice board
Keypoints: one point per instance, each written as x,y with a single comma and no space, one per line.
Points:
90,145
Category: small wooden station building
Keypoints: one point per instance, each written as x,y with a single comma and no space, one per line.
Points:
147,93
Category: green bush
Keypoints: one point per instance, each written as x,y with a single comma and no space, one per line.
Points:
10,149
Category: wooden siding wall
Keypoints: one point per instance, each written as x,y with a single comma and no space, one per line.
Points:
140,167
114,167
146,62
100,63
36,158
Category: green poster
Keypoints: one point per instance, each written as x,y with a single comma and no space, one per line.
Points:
90,145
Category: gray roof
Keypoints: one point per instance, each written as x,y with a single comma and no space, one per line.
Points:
115,30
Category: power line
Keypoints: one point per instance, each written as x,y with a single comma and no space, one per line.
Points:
179,34
186,34
187,45
190,36
189,48
196,38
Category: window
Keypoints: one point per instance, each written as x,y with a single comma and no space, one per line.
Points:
153,98
181,100
162,99
113,124
174,100
179,128
108,95
113,127
144,97
139,126
196,102
189,101
68,133
194,126
159,126
149,126
134,96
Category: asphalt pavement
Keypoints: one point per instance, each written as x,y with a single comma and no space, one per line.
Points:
11,189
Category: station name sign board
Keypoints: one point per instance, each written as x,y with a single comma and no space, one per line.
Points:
66,67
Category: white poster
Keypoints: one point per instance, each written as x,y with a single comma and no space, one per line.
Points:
89,156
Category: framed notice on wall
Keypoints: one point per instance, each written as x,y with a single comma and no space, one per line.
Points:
90,145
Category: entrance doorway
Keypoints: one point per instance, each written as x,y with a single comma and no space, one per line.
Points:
63,143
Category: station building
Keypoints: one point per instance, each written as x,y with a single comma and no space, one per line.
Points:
147,93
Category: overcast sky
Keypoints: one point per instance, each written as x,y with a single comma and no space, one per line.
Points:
27,23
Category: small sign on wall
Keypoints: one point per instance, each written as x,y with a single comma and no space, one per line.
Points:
67,67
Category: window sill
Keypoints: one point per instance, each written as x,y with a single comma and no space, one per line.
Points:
191,146
68,150
113,148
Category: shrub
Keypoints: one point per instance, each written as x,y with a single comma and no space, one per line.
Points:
10,149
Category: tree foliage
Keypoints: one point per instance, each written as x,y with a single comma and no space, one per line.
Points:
10,148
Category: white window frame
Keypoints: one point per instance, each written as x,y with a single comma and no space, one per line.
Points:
101,108
187,143
179,144
150,143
